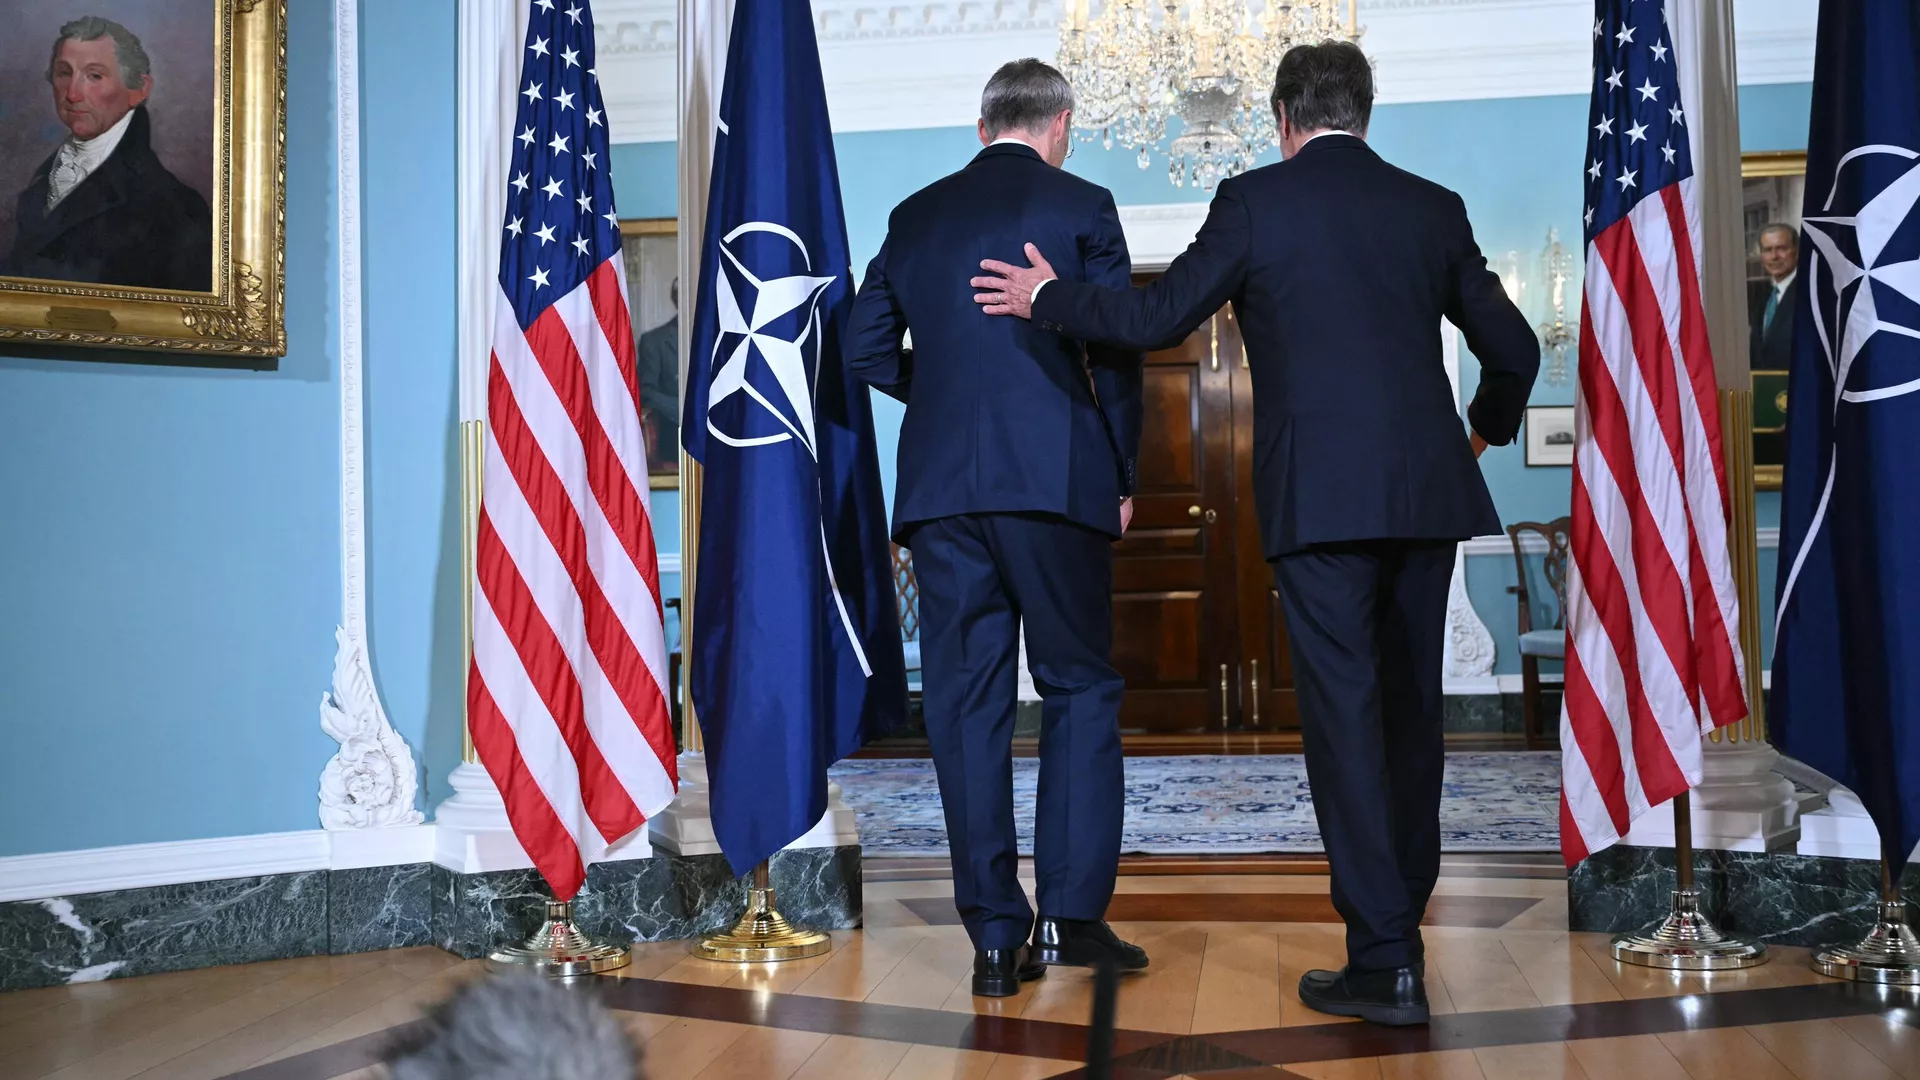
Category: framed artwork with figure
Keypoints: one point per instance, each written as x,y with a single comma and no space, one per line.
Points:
651,251
142,174
1772,188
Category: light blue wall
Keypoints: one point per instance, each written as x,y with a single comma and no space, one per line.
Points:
172,534
412,382
1515,161
171,555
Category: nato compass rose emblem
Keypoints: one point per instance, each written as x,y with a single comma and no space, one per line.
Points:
1865,270
779,321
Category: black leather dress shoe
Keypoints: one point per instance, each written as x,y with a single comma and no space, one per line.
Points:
1395,996
1084,943
999,972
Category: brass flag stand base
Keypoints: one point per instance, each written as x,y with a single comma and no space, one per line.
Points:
1686,940
762,935
1890,953
558,949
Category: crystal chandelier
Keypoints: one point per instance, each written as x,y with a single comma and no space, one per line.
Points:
1136,63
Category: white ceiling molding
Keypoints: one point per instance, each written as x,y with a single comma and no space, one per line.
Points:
890,67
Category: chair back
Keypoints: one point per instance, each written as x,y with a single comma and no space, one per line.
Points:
1556,533
907,591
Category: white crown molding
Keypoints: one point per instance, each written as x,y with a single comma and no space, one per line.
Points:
891,67
371,780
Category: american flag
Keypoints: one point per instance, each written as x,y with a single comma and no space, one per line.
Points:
566,699
1653,658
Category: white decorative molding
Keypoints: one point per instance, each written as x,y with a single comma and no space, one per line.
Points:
1534,544
891,66
371,781
1158,232
670,562
1468,653
178,862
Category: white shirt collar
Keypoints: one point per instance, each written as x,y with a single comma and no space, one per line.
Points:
77,158
1324,134
1786,282
1013,139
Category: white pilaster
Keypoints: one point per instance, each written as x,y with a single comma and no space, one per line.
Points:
1741,803
472,833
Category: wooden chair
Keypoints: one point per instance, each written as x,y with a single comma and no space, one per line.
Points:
1543,644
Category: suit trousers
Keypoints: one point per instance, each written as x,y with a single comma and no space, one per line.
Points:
1366,622
980,576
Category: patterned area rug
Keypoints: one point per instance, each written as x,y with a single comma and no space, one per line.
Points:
1220,805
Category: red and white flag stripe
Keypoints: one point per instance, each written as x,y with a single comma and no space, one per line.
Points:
567,697
1653,656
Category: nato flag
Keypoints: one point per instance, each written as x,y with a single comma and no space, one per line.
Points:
1846,667
795,657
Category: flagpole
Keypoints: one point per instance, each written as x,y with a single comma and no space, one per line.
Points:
1687,940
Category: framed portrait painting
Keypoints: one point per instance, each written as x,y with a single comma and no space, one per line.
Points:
651,248
1772,188
142,174
1549,435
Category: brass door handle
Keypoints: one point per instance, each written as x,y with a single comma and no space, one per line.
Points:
1223,697
1254,691
1208,515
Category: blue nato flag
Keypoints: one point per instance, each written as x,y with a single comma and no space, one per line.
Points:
1846,669
795,658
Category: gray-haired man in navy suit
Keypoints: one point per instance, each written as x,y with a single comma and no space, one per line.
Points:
1016,458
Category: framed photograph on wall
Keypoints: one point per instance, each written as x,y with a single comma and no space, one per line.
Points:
142,175
1773,186
651,248
1549,433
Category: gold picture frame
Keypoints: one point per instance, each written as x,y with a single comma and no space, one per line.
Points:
651,249
242,313
1772,183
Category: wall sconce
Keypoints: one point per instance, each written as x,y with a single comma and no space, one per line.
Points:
1539,290
1556,269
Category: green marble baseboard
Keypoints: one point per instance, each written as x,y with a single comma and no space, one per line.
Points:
1781,898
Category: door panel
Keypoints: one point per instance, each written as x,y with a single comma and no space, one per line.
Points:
1174,572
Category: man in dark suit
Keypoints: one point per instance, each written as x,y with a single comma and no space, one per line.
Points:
1016,457
103,208
1772,312
659,353
1339,268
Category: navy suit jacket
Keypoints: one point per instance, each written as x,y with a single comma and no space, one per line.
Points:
1339,268
1002,416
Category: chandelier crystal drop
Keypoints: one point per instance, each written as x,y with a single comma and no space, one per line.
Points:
1134,64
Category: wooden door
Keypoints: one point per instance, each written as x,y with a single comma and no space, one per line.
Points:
1265,664
1175,573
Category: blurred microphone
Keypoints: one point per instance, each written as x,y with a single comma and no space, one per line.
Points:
1106,991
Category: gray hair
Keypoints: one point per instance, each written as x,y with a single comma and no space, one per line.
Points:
1793,234
134,64
518,1028
1325,87
1024,95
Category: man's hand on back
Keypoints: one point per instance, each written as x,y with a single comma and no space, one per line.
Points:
1479,445
1011,291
